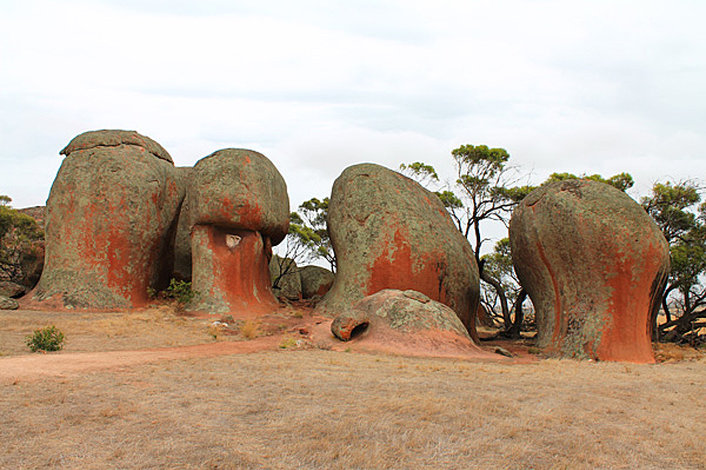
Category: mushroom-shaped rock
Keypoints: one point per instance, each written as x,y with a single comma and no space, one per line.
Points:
110,221
316,281
388,232
405,322
594,264
239,209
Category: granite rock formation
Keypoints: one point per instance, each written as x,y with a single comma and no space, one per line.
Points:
238,209
388,232
110,221
594,264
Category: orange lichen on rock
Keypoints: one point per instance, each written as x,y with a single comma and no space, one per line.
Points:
233,264
238,209
388,232
594,264
110,222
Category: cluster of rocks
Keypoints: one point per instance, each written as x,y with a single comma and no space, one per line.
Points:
122,219
292,282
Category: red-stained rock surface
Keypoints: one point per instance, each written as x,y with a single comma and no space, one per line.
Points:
388,232
231,275
594,264
109,222
238,209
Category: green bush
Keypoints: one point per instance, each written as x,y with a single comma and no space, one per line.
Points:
46,339
180,291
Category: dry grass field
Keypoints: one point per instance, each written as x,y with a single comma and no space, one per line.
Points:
289,408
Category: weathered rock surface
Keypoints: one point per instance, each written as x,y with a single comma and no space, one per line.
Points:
388,232
7,303
316,281
407,311
110,221
594,264
286,278
11,289
239,209
182,242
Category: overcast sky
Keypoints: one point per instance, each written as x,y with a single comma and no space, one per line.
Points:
578,86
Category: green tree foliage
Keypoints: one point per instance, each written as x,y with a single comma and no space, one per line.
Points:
676,209
307,239
314,214
621,181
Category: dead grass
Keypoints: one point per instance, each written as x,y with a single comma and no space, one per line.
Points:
320,409
90,331
314,409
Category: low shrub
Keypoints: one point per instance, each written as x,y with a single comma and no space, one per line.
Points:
46,339
180,291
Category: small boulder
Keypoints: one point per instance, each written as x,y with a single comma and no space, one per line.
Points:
405,322
406,311
594,264
316,281
11,289
7,303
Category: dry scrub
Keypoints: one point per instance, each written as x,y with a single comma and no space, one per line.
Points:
321,409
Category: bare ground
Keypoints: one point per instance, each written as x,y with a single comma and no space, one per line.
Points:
187,407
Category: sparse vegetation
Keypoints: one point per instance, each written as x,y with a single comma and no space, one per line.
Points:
46,339
178,290
250,329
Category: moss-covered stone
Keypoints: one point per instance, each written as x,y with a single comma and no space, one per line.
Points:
316,281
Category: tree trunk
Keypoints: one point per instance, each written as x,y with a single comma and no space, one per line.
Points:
501,295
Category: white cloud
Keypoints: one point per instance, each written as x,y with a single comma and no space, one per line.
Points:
565,86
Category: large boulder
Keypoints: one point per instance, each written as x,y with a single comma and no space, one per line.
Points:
110,221
594,264
238,209
388,232
316,281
